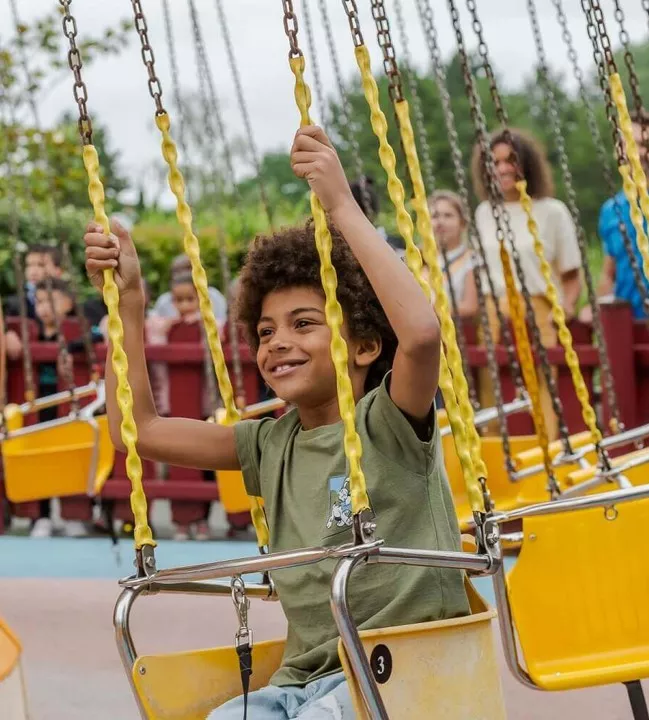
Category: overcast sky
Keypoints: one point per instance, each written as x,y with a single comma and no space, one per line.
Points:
117,85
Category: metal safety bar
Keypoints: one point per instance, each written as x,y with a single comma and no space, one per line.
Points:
487,415
553,507
612,441
49,401
260,408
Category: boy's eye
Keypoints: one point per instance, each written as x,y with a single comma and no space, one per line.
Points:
302,323
264,332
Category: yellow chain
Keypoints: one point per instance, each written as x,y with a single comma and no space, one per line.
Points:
414,262
128,429
430,252
192,248
334,315
526,357
633,177
559,318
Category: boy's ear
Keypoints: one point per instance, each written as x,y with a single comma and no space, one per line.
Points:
367,351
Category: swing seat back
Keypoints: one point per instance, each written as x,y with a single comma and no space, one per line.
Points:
12,685
635,475
446,669
505,494
579,594
189,685
64,457
232,491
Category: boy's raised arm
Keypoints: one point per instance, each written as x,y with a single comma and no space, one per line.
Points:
413,319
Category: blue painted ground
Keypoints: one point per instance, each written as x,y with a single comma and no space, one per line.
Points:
94,558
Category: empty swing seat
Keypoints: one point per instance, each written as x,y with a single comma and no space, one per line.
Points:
579,595
59,458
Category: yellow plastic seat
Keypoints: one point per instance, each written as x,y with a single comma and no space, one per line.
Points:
433,665
579,594
189,685
446,669
13,702
635,475
72,456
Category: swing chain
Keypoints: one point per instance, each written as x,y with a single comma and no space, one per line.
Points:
384,38
633,76
317,78
424,146
346,111
501,216
351,10
175,83
290,28
571,197
155,89
604,39
427,19
599,143
645,5
75,63
245,114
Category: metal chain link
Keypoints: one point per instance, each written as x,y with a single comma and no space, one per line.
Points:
243,107
351,10
175,83
645,5
426,16
571,197
313,56
290,28
599,144
431,183
385,43
618,142
347,127
213,107
633,76
503,119
80,91
65,248
215,136
148,58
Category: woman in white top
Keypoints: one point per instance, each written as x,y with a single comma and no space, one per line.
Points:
556,230
450,224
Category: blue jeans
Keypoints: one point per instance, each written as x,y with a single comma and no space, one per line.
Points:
325,699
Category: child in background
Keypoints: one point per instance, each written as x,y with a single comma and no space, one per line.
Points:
49,311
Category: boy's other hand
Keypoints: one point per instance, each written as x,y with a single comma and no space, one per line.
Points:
314,158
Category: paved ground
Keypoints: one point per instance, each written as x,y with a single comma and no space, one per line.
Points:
58,595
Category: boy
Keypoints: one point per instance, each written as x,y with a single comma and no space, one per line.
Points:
296,462
34,272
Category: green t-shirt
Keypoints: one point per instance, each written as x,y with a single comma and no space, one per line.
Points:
301,475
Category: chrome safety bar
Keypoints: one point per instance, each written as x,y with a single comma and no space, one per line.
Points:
260,408
48,401
608,443
487,415
553,507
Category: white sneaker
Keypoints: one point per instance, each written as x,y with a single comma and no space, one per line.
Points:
182,533
43,528
74,529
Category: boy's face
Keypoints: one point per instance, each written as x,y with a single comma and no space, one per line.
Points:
44,310
294,356
185,299
34,268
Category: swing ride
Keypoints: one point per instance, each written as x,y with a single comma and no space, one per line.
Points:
579,508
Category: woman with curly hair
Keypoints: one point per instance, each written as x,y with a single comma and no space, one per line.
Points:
527,159
296,463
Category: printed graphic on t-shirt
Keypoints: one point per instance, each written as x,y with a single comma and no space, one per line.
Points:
340,503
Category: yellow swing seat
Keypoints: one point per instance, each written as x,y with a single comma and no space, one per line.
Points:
636,474
433,664
12,685
579,594
59,458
